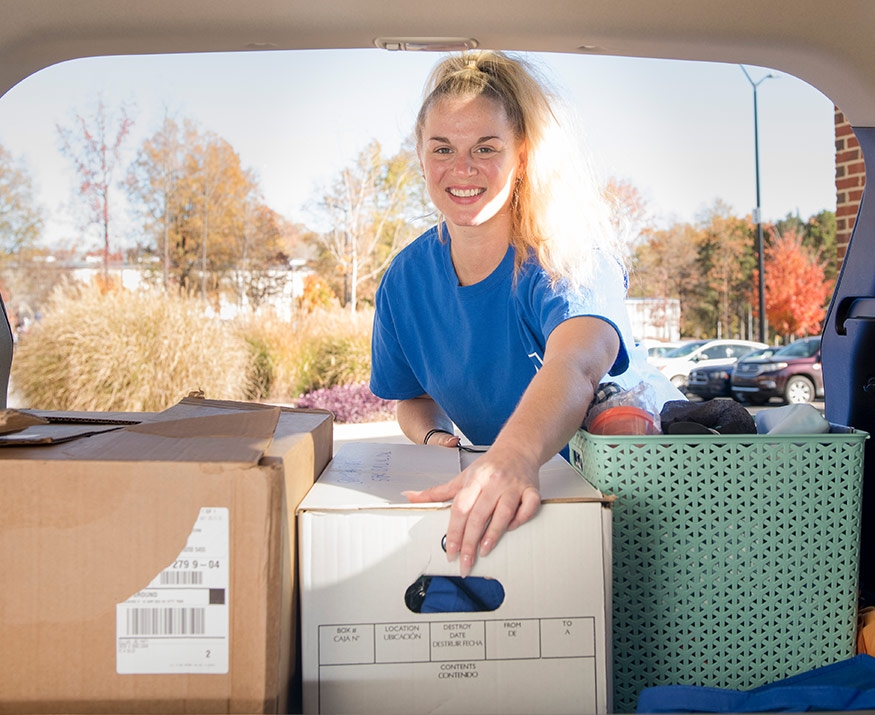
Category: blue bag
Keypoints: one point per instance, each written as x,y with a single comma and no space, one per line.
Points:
453,594
846,685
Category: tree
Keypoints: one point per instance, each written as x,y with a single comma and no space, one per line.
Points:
629,213
664,267
153,181
94,146
204,214
21,223
372,208
726,261
796,289
221,190
21,219
818,234
261,266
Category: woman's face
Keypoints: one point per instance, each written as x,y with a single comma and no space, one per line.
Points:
470,158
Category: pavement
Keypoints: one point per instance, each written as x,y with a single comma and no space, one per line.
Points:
383,432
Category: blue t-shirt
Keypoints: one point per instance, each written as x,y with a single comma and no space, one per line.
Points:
474,349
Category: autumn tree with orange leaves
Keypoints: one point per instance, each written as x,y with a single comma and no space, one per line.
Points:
205,217
796,288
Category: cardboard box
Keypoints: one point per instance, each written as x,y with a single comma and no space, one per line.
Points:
151,568
545,649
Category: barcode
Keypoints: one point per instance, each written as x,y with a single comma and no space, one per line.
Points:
165,621
184,578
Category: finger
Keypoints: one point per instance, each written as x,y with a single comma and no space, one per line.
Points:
479,518
439,493
444,440
444,492
463,503
502,517
530,503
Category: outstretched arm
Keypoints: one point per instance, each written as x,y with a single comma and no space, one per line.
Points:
500,490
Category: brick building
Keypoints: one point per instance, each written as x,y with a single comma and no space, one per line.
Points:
850,180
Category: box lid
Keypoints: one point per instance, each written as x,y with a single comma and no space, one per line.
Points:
193,430
373,475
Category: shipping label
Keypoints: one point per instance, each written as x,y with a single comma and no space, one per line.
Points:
179,622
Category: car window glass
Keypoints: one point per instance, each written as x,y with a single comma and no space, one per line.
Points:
685,350
801,348
296,120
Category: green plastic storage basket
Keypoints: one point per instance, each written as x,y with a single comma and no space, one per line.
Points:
735,557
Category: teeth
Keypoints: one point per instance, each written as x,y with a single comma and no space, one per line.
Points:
465,193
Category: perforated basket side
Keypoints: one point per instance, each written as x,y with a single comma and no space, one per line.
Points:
735,557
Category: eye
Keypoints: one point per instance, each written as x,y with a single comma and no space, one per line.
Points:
484,150
442,150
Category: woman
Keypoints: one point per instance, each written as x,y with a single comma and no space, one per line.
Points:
505,317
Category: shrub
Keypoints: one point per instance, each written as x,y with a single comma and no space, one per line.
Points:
261,371
126,351
317,294
115,350
334,348
350,403
336,360
319,349
274,357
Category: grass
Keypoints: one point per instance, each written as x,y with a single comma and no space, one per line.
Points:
117,350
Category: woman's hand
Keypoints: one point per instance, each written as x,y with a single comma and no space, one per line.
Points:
496,493
500,491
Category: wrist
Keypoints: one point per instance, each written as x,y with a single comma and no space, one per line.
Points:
435,431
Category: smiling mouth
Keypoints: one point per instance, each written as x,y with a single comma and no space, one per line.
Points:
465,193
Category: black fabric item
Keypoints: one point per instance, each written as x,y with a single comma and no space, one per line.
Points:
725,416
416,592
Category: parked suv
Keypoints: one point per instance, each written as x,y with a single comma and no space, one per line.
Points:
792,373
710,381
677,364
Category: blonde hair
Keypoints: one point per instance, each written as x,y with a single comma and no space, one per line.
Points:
558,211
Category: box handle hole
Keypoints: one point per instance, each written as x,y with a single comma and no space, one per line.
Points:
453,594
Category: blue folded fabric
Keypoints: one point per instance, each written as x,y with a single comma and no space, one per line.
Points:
452,594
846,685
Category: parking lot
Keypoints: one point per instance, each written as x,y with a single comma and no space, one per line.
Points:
753,409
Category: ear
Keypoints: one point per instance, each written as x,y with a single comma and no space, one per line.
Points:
523,157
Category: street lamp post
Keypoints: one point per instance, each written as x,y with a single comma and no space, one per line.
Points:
758,211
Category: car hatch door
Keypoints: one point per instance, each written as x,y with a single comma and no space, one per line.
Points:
848,352
5,353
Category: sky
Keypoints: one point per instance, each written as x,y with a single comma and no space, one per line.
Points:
681,132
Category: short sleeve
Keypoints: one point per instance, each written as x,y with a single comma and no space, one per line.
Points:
549,305
392,377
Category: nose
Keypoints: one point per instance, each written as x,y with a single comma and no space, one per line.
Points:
464,165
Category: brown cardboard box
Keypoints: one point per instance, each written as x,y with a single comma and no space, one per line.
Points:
152,568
